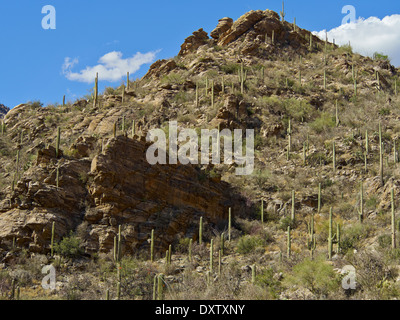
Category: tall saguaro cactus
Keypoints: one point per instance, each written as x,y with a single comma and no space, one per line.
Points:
52,239
331,237
293,217
229,223
289,242
96,90
283,11
393,220
262,211
242,77
319,197
380,155
211,255
152,246
127,81
58,141
361,210
201,231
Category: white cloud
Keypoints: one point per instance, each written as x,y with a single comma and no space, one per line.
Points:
368,36
112,67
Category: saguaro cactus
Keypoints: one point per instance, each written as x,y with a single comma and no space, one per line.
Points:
96,90
222,246
133,128
289,242
119,244
52,239
283,12
319,197
212,93
311,241
380,155
229,223
58,141
293,217
152,246
201,231
334,157
331,237
127,81
393,220
242,77
361,210
160,286
253,273
211,255
262,211
337,114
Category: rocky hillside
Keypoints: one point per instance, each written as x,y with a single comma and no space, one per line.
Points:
3,110
316,109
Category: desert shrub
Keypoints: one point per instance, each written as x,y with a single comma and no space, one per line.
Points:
285,222
69,246
323,122
183,245
297,109
248,244
385,240
380,56
173,78
352,235
230,68
316,275
266,279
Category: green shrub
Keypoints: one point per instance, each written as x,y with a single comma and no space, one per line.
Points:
385,240
353,234
230,68
380,56
173,78
69,246
247,244
183,245
286,222
323,122
315,275
265,278
297,109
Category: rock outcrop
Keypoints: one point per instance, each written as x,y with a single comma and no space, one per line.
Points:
3,110
192,43
115,188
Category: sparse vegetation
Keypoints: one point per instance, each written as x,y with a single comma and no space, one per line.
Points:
266,90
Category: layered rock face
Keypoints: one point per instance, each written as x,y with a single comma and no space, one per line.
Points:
252,30
117,188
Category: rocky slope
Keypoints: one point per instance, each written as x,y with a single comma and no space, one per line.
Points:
313,106
3,110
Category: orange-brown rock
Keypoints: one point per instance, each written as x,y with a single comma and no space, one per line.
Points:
118,187
192,43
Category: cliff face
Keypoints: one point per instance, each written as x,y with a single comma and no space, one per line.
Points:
118,187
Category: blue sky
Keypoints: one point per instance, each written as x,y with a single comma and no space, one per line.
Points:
32,59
